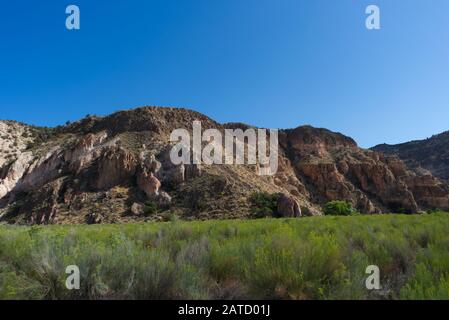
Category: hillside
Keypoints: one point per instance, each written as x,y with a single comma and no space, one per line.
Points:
431,154
117,169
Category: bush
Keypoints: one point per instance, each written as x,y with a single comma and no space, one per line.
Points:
264,204
150,208
339,208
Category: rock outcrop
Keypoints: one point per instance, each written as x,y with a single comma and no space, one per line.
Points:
97,169
429,155
137,209
115,166
148,183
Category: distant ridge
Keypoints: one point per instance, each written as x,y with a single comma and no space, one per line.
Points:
431,154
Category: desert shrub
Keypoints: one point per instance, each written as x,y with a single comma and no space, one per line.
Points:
150,208
310,258
196,201
264,204
15,285
169,217
338,208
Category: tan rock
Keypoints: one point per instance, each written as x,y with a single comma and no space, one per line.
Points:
138,209
148,183
116,166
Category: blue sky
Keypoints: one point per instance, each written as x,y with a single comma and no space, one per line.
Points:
271,63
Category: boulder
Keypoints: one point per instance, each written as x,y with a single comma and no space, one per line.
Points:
137,209
288,207
164,200
148,183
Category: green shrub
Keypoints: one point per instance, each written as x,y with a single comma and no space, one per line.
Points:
339,208
264,204
150,208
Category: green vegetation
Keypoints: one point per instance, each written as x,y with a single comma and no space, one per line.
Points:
308,258
150,208
264,204
339,208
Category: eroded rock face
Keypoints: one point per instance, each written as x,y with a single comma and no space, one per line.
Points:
429,191
431,154
85,151
14,138
42,205
334,168
41,170
115,166
306,140
361,183
12,173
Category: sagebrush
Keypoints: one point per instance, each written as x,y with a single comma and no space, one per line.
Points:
309,258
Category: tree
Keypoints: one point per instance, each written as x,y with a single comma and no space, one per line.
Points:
339,208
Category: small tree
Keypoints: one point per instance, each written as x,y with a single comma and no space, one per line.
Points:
339,208
264,204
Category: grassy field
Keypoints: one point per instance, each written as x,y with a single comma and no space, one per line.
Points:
309,258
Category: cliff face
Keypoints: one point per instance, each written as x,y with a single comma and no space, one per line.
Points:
332,167
117,169
430,154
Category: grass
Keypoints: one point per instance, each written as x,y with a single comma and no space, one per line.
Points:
308,258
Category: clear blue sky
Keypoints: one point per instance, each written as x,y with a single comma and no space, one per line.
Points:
272,63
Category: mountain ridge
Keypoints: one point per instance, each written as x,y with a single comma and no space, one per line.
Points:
116,168
431,154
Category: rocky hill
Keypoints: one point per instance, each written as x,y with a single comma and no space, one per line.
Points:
431,154
117,169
